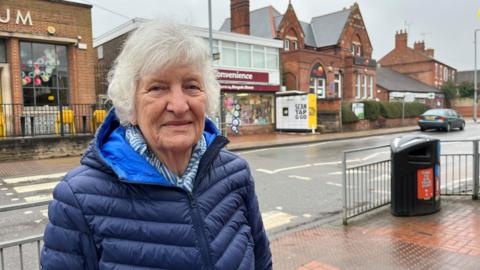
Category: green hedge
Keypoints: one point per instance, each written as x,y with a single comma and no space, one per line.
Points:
392,110
347,115
372,110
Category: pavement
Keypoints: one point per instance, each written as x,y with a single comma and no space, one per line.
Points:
448,239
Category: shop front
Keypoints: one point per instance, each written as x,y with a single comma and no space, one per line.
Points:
46,67
248,101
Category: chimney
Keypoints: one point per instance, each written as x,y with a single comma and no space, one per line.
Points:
240,16
419,46
429,52
401,39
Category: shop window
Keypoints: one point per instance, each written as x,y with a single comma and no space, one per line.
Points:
338,85
318,80
272,58
44,74
229,57
286,45
244,55
258,57
3,51
250,108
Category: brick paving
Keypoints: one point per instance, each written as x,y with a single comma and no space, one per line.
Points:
448,239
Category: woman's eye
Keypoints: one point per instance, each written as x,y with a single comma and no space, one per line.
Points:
156,88
193,87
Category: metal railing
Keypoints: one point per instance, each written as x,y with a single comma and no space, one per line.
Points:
17,120
23,246
368,186
365,186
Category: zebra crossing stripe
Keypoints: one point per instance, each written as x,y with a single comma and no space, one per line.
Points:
33,178
37,187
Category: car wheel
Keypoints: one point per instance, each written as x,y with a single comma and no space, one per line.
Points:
449,127
462,126
422,129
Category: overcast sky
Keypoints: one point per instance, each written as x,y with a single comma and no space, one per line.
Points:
446,25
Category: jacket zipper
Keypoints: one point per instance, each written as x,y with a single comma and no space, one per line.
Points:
198,225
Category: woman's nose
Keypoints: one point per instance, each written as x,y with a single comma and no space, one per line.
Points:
177,100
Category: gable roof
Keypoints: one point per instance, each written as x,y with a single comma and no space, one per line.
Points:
394,81
263,22
322,31
328,28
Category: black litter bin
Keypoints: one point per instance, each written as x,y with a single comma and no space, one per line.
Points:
415,188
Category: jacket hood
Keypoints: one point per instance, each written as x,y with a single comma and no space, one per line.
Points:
110,152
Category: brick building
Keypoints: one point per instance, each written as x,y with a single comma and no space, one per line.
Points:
248,72
417,62
330,56
46,58
394,86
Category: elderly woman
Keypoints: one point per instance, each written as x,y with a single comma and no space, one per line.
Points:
156,189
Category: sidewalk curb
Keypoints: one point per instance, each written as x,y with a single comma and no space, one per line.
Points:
302,142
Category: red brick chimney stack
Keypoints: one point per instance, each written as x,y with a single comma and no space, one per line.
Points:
429,52
401,40
240,16
419,46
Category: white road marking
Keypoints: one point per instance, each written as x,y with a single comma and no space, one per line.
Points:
327,163
374,155
306,215
300,177
3,189
28,212
305,166
335,173
14,199
44,212
38,187
37,198
33,178
334,184
9,194
274,219
253,151
279,208
38,221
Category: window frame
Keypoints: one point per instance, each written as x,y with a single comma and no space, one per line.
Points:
317,87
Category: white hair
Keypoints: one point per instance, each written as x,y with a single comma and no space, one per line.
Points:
150,47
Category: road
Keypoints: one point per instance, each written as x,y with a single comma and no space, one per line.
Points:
295,185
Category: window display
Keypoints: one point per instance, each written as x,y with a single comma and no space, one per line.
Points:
248,108
44,74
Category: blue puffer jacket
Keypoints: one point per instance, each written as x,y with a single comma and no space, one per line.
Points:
116,211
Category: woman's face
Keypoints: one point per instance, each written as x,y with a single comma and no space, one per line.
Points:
170,108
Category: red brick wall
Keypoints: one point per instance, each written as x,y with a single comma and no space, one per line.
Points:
70,20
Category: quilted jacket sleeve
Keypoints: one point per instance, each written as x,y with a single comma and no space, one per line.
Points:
263,256
67,240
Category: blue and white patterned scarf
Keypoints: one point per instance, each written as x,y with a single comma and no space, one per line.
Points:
135,138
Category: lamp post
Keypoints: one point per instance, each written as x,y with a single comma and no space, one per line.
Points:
475,78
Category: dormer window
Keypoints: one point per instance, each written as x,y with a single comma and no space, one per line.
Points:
286,45
295,45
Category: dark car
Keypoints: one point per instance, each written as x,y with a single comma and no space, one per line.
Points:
443,119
